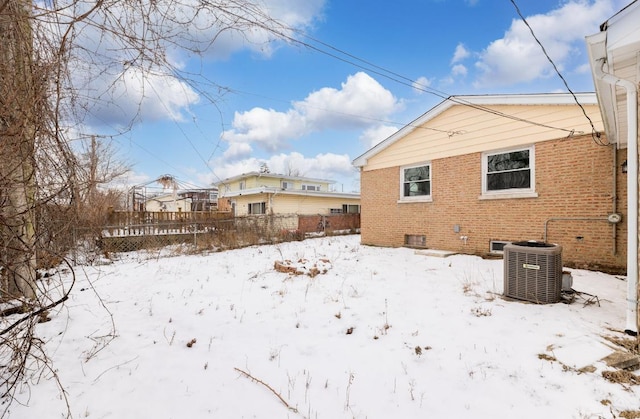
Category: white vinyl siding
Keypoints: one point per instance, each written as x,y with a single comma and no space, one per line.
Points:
482,131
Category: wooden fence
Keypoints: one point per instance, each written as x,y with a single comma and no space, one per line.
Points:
126,231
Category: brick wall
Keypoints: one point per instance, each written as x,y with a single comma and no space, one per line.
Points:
313,223
573,179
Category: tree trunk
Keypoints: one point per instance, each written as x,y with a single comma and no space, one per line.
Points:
20,96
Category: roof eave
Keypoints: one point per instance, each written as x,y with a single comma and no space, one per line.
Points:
477,100
274,176
295,192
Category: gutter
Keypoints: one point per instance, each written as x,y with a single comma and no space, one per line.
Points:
632,191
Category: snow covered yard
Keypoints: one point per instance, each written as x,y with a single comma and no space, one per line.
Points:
371,333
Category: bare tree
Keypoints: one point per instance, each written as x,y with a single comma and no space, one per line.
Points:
20,95
98,166
27,130
63,62
291,169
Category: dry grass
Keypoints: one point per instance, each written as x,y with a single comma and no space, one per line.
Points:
546,357
630,344
621,377
630,414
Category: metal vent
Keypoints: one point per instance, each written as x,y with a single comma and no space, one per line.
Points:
533,272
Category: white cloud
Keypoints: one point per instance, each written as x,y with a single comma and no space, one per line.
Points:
517,58
360,101
447,81
421,84
267,128
108,65
459,70
246,27
583,69
373,136
237,151
324,166
137,96
295,13
129,179
460,54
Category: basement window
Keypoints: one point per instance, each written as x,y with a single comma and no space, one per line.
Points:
497,246
415,240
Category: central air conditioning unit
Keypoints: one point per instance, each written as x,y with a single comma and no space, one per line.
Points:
533,271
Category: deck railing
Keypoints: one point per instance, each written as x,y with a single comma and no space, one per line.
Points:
135,223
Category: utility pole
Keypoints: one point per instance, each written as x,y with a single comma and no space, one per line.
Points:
92,187
20,97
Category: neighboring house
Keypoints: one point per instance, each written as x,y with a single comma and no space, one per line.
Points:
168,202
477,172
180,201
201,199
614,56
257,193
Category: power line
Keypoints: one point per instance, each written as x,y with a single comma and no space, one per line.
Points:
398,78
349,58
594,133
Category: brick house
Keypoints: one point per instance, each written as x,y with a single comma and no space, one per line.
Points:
477,172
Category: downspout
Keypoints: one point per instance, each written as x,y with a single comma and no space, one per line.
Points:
614,206
632,193
271,196
614,198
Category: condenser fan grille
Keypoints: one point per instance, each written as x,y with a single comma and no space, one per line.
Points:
533,272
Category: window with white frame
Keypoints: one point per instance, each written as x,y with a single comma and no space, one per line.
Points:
287,185
306,187
243,185
508,172
258,208
415,182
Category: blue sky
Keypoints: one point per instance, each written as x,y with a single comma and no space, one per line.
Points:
312,110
